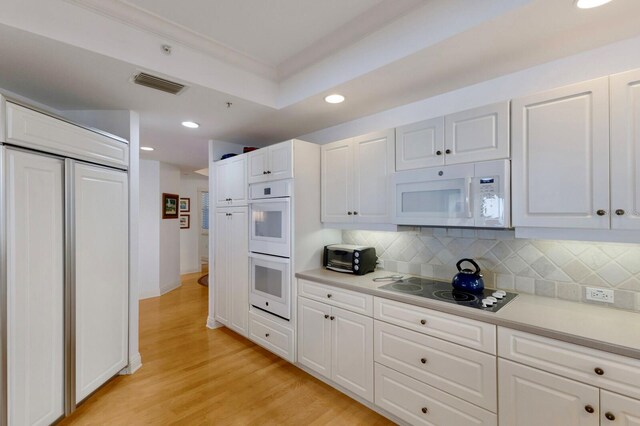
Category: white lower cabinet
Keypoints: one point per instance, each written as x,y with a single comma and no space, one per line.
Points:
618,410
272,335
463,372
530,397
420,404
337,344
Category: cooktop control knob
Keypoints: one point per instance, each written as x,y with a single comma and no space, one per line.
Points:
497,295
493,299
502,292
486,303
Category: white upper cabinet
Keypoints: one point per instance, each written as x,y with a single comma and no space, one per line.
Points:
372,167
478,134
420,144
336,187
625,150
231,181
35,130
271,163
355,184
561,157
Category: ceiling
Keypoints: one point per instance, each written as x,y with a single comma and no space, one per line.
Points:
275,60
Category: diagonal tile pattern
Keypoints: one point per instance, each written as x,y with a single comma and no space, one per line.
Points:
548,268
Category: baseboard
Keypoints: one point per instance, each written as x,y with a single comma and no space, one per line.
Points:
149,294
191,271
164,291
135,363
212,323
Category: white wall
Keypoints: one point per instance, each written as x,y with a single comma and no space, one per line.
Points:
610,59
169,232
150,212
221,147
190,185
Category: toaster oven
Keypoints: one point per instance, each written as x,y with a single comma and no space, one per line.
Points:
358,260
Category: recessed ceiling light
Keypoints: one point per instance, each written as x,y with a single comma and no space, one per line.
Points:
588,4
334,99
146,148
190,124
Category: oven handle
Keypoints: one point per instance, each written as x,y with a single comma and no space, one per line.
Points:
269,200
266,257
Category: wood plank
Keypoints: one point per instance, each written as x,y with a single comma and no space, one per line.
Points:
196,376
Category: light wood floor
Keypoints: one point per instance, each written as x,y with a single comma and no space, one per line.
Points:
196,376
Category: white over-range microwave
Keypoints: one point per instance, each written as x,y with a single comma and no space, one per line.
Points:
462,195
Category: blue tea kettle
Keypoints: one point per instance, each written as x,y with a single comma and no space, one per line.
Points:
468,280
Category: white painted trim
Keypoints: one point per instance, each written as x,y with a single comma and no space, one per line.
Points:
150,294
141,19
213,324
362,226
135,363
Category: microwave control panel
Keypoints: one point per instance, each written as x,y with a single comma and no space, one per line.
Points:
490,198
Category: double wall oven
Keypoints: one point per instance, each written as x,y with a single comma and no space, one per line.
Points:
270,247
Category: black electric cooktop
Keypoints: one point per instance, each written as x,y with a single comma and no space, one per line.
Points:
443,291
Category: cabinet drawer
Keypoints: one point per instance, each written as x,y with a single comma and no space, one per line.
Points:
460,371
408,398
35,130
271,335
350,300
474,334
617,373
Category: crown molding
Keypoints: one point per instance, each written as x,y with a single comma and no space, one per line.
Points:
143,20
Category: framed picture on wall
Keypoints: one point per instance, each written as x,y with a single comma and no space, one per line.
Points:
170,206
185,205
185,221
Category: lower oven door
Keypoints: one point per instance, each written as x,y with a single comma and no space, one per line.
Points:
271,284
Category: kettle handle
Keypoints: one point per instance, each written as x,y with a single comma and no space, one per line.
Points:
471,261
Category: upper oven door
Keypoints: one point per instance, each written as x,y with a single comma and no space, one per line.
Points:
437,196
270,226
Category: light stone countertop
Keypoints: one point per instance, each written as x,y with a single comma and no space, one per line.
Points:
607,329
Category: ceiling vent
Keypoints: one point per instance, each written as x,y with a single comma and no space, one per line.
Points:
158,83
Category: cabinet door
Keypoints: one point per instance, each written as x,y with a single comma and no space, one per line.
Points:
231,181
625,150
420,144
102,275
618,410
561,157
337,182
530,397
352,352
478,134
258,165
236,180
280,161
372,167
314,336
35,288
238,271
222,257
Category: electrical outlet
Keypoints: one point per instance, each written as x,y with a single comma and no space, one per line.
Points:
600,295
380,264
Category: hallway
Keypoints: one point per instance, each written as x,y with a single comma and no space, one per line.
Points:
194,375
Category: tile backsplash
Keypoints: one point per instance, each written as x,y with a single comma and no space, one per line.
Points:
562,269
